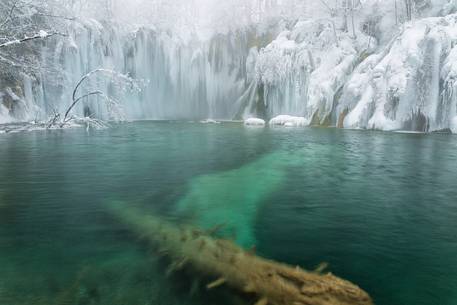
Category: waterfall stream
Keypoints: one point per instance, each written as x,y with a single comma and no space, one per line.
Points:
181,80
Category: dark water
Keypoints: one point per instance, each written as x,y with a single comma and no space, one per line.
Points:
380,208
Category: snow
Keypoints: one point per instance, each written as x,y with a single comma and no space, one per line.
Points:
408,132
289,121
9,43
210,121
254,122
43,34
74,122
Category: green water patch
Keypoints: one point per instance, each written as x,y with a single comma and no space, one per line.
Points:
231,199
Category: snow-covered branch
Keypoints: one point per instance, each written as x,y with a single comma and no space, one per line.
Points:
40,35
111,103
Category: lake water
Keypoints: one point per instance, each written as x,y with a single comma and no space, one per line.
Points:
380,208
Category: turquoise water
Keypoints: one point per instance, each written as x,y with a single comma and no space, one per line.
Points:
380,208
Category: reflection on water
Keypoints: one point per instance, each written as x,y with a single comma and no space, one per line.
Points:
379,207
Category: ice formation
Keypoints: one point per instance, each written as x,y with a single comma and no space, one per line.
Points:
408,84
378,73
302,69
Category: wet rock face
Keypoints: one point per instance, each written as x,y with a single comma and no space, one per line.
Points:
418,122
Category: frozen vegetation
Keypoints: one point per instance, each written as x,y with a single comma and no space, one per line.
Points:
363,64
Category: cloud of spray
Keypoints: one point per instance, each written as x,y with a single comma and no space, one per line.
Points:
201,17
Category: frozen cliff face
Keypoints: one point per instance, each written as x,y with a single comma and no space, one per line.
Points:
303,69
334,78
409,85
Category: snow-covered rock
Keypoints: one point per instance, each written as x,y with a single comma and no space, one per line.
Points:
43,34
254,122
289,121
209,121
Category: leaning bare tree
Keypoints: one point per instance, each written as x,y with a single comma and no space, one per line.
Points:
91,92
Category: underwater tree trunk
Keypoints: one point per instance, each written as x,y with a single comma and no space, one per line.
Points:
272,282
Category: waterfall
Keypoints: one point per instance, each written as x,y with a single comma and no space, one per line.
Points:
309,69
182,79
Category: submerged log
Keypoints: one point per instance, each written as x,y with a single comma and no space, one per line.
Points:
272,282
